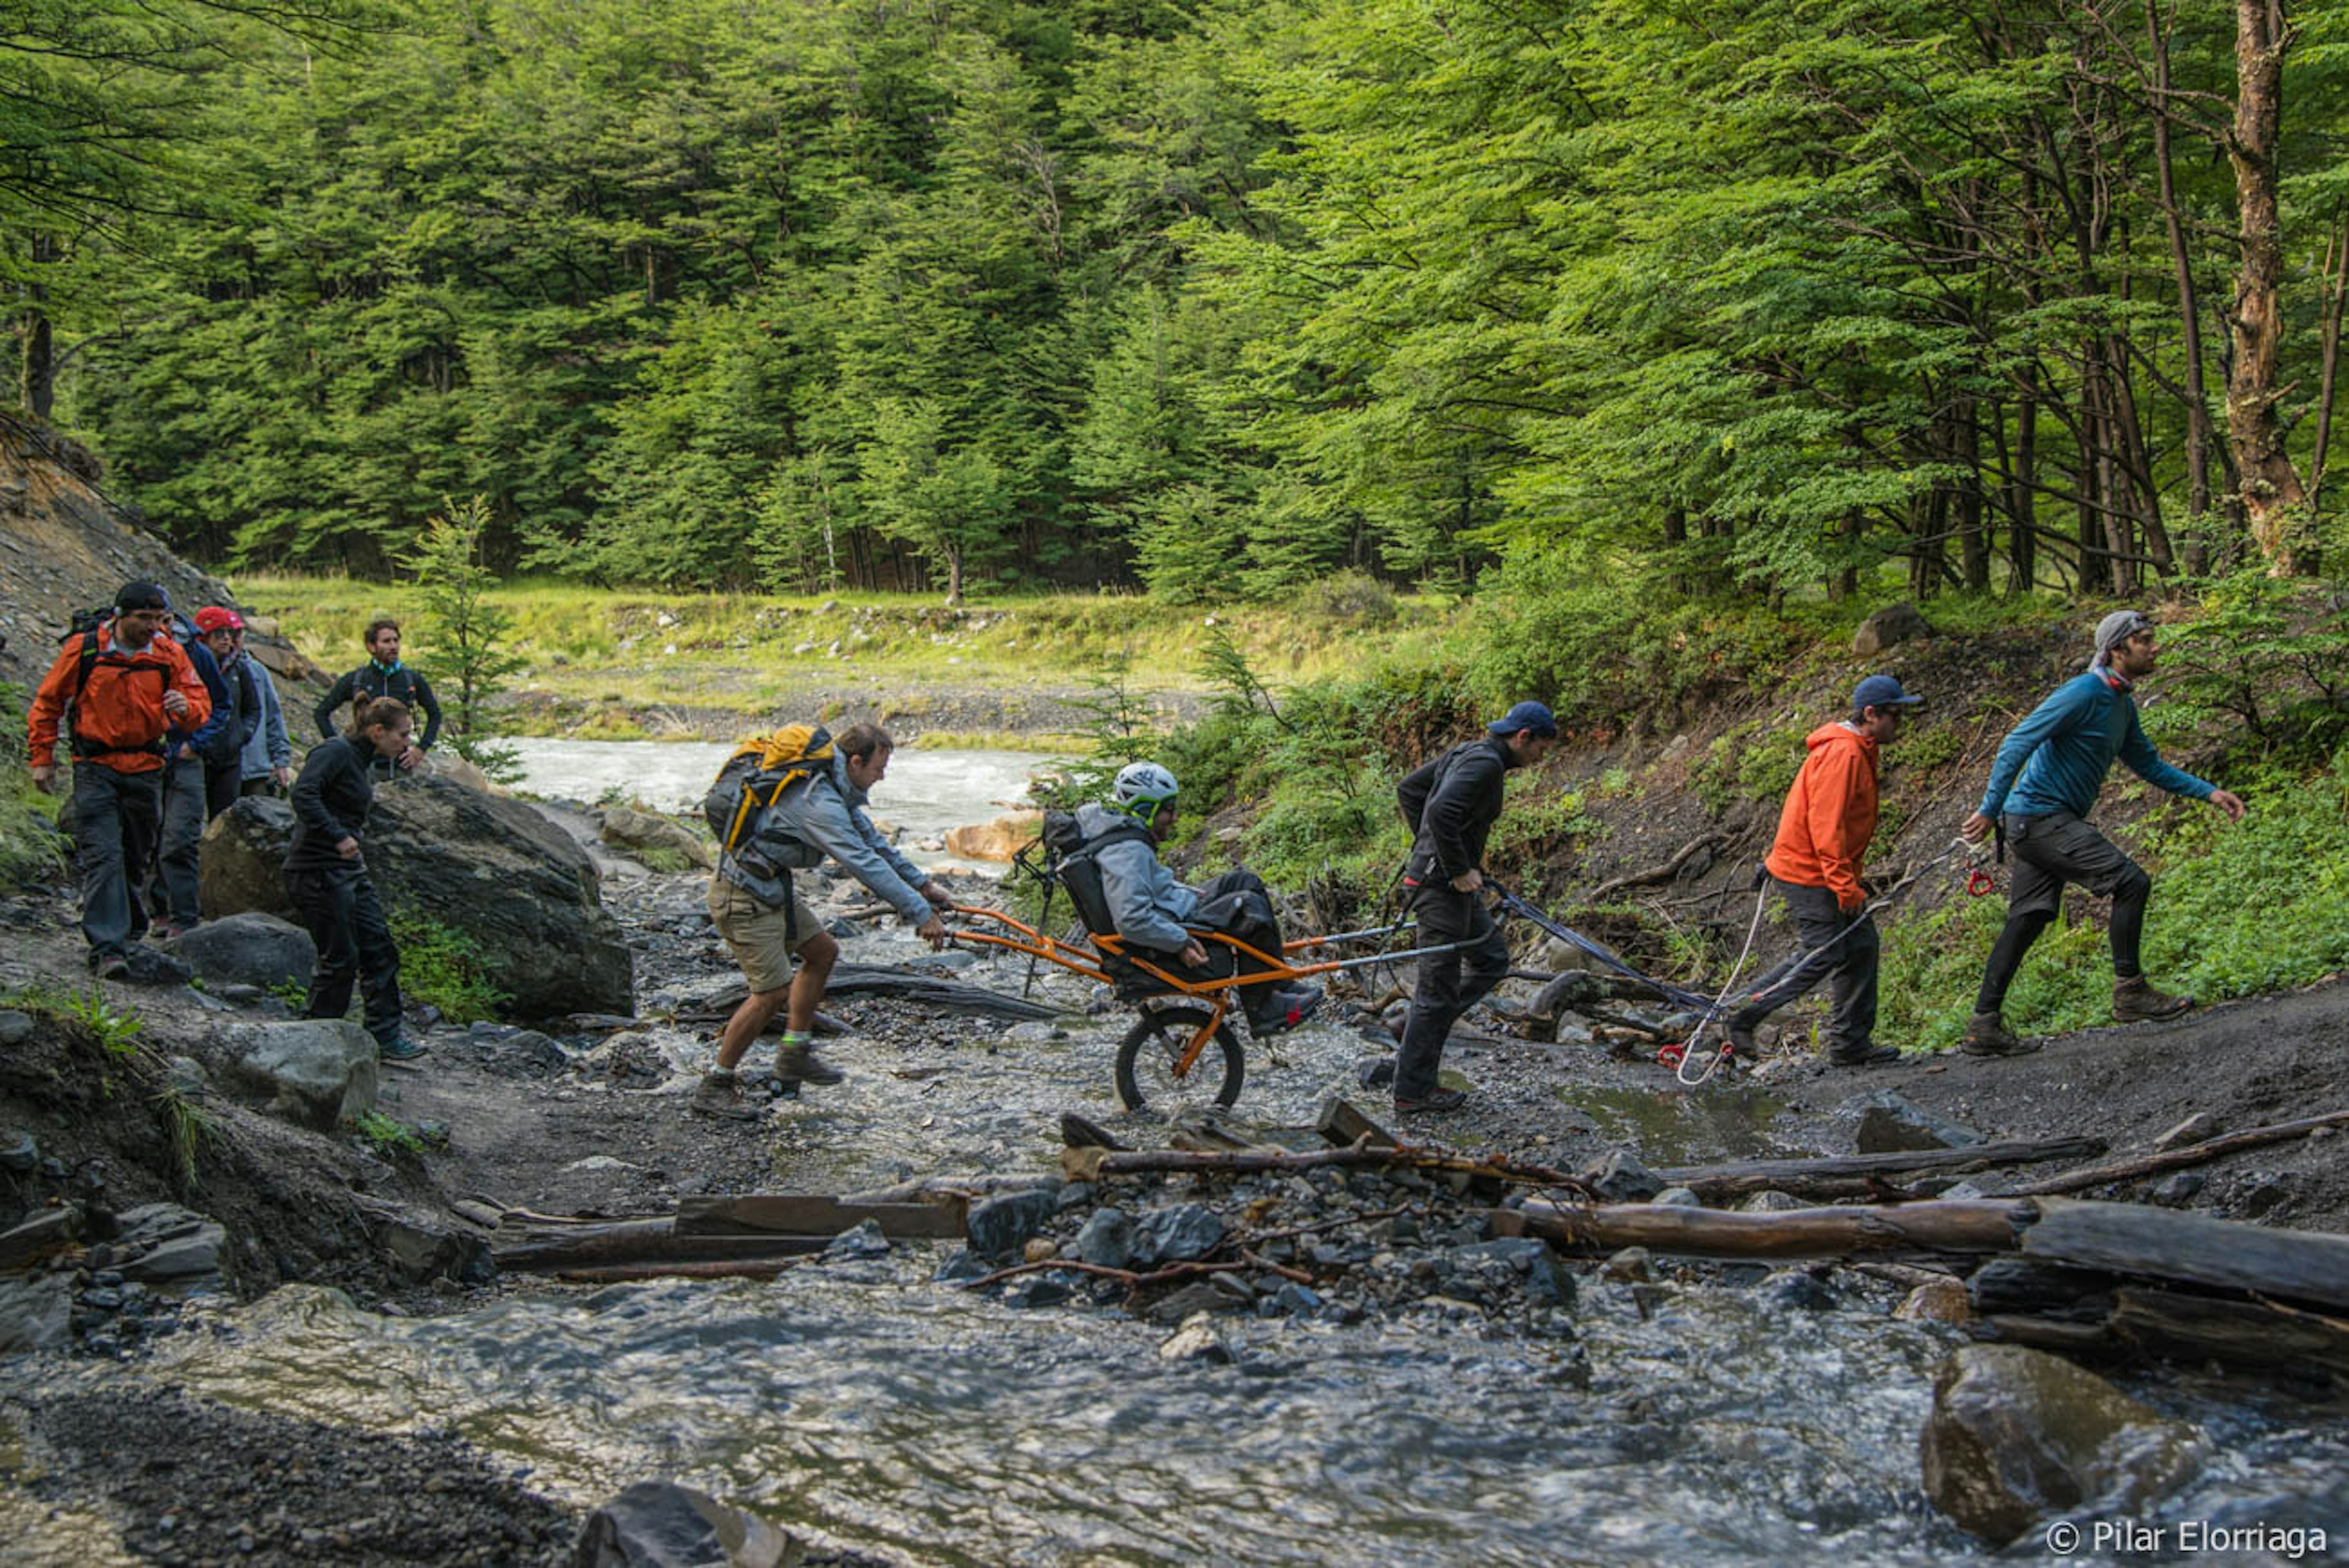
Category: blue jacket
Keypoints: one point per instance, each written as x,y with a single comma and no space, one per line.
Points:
2056,759
223,713
1145,900
267,746
825,816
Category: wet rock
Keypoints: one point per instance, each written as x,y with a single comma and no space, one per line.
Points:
1107,1240
526,1053
1197,1340
20,1153
960,1265
1535,1266
2180,1187
1375,1072
35,1311
1801,1290
863,1240
1039,1249
1180,1234
1296,1298
1178,1304
248,948
997,840
1075,1195
16,1028
2195,1128
1047,1289
1891,1124
162,1243
659,1525
1620,1177
518,885
423,1246
1888,628
1772,1201
1000,1226
1678,1198
2017,1435
319,1072
1630,1266
629,830
1940,1301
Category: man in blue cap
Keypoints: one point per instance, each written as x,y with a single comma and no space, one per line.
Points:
1823,832
1450,805
2043,785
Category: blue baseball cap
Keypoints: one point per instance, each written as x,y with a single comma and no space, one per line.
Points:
1530,715
1881,691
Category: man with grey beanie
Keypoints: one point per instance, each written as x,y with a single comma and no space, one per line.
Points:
2043,785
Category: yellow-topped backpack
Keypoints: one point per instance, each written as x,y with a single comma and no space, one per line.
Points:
755,776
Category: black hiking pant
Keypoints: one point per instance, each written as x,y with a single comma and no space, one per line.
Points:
1848,958
1449,983
1238,906
116,817
354,946
2048,852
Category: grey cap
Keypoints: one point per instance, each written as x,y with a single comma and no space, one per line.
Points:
2117,628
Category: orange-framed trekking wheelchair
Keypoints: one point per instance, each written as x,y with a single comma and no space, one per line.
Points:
1165,1056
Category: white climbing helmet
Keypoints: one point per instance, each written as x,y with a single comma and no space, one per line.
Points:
1143,786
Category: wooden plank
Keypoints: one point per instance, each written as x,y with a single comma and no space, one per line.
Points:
2135,1239
761,1214
585,1248
2180,1157
2182,1328
1974,1225
1342,1124
1854,1175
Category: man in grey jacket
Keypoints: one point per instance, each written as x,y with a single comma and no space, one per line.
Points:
757,911
1159,918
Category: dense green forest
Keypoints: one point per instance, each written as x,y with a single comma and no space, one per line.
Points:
1216,298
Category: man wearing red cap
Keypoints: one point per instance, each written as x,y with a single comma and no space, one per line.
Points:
223,753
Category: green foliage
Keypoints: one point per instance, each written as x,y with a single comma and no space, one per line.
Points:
387,1134
2266,659
1751,762
442,965
115,1032
31,848
1115,728
471,633
189,1130
294,994
2240,909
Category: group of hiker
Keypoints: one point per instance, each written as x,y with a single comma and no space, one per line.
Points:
166,722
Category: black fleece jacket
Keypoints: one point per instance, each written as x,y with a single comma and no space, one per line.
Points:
330,804
1449,804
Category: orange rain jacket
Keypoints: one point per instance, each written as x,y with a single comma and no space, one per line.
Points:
1829,816
118,721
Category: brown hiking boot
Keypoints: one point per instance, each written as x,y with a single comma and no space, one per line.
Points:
720,1095
1988,1035
1434,1102
798,1064
2134,1001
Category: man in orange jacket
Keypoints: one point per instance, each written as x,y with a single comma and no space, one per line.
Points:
113,694
1823,835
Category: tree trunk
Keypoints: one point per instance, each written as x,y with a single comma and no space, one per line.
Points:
38,384
2336,286
2199,433
2022,504
1973,538
2271,491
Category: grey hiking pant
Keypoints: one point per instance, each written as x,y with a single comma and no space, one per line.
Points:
115,819
1850,960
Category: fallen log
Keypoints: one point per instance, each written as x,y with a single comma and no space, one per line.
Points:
929,1188
642,1241
2138,1165
1858,1175
897,984
2177,1327
1663,871
2132,1239
1961,1226
1095,1164
623,1273
770,1213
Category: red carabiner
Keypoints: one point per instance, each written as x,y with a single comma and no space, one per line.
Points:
1977,882
1671,1056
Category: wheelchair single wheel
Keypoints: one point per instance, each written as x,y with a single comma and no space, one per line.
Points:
1147,1059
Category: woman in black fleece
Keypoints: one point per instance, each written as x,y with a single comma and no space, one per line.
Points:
328,882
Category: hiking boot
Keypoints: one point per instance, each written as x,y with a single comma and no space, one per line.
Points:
720,1095
1434,1102
1988,1035
1742,1050
1865,1055
797,1063
399,1048
111,966
1288,1006
2134,1001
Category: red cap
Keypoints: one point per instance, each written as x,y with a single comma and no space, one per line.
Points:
213,617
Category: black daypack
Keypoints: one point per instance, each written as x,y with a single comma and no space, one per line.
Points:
1075,861
86,624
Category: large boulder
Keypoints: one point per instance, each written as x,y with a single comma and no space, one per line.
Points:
659,1525
251,948
1888,628
320,1072
493,868
2017,1435
998,840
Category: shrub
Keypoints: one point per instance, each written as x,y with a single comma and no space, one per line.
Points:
441,966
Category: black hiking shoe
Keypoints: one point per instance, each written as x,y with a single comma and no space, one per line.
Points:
399,1048
1862,1056
110,966
1434,1102
720,1096
2134,1001
797,1063
1988,1035
1289,1006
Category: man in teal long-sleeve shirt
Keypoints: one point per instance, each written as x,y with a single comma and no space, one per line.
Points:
2042,786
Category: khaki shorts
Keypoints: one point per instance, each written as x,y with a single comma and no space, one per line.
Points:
762,939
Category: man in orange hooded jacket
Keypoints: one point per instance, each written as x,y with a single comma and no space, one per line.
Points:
1823,836
113,709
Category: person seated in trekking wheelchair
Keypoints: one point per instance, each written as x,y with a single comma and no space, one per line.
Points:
1158,918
